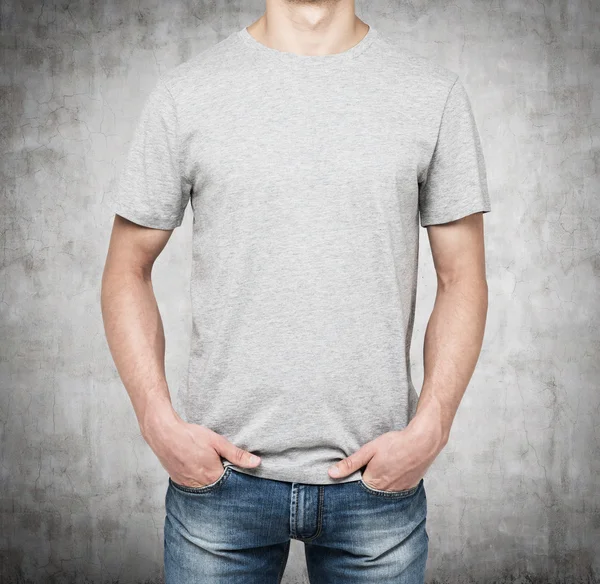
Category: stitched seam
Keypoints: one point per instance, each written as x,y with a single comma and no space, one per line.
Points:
180,164
292,62
205,488
321,507
294,504
296,509
439,129
319,516
390,494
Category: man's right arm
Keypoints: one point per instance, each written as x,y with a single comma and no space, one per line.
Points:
135,335
132,321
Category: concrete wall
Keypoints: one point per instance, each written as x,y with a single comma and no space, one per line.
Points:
514,497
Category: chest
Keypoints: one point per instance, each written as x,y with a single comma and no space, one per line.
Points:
303,132
304,154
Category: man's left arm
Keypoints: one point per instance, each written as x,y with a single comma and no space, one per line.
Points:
453,197
456,327
397,460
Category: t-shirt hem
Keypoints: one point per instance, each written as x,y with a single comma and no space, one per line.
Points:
453,215
145,220
311,477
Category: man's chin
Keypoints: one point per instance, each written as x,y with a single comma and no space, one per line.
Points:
312,2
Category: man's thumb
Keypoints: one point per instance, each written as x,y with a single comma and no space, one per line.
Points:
236,455
351,463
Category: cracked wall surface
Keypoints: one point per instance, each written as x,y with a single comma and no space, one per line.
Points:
514,497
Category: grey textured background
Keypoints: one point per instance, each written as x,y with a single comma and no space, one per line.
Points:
514,497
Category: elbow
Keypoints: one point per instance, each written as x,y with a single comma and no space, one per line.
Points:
475,283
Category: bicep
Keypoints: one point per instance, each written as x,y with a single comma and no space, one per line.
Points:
458,250
133,247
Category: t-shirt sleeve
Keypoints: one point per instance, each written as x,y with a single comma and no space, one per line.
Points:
456,182
151,188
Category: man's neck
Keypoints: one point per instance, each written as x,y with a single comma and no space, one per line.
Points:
309,28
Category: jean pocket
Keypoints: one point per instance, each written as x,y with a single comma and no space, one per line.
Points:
204,488
393,494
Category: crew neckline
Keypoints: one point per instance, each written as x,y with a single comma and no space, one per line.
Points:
295,58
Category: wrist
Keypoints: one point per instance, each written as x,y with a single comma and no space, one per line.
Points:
430,424
157,417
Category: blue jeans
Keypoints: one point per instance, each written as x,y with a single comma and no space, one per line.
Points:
237,530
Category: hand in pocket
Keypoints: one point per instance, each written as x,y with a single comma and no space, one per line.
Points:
395,461
192,453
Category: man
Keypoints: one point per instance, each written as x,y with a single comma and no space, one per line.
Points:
310,147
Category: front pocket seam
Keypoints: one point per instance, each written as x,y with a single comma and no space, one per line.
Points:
391,494
204,488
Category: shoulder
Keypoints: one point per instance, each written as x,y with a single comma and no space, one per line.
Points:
205,66
425,72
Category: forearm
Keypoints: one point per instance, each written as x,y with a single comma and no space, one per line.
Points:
136,339
453,340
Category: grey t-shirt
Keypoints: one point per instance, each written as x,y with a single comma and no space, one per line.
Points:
307,177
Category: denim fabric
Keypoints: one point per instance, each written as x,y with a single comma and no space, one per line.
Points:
238,530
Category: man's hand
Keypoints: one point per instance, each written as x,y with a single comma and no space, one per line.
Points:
191,453
396,460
